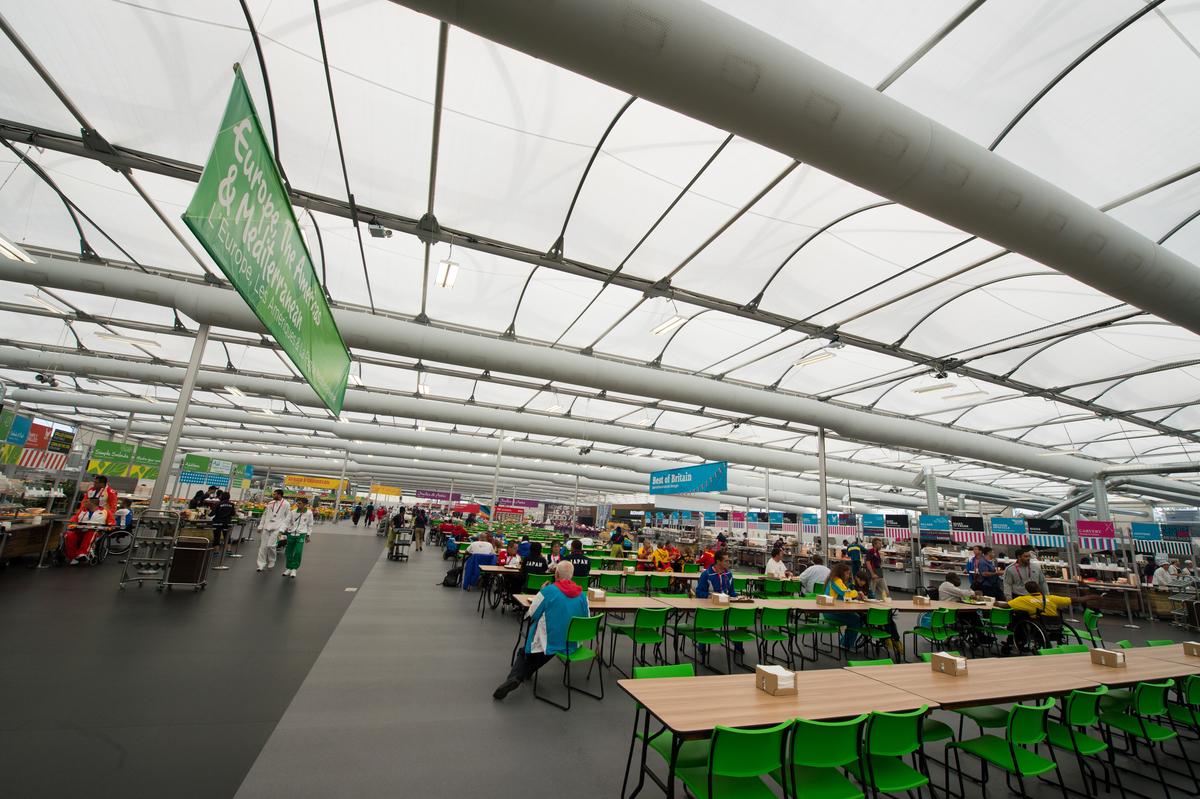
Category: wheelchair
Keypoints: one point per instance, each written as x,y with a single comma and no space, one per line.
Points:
116,541
1034,633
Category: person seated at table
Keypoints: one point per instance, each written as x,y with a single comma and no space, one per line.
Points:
677,558
508,556
450,550
717,579
707,557
839,586
549,616
124,517
79,538
482,545
523,547
645,550
818,572
578,559
535,562
951,589
776,569
660,558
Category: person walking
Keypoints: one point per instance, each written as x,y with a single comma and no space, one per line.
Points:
419,522
273,522
370,513
356,514
299,528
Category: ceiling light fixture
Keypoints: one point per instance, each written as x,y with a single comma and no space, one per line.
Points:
934,387
235,391
962,394
422,389
144,342
663,328
554,409
816,357
447,273
13,253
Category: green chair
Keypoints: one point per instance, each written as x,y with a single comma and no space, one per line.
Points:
774,628
819,752
706,629
647,628
737,762
997,626
1160,642
876,633
928,656
691,754
1081,712
691,568
629,564
888,738
659,582
582,582
1124,644
582,629
853,664
1090,634
1137,723
740,628
818,589
610,582
1186,712
937,633
813,626
638,582
1024,728
1065,649
741,586
774,589
535,582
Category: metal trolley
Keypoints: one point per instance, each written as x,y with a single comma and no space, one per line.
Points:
149,558
400,544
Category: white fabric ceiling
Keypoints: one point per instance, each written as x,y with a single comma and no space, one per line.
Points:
517,134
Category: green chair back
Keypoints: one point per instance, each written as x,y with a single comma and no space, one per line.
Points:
1027,723
1191,691
534,582
1150,698
772,586
1091,620
1082,708
650,619
740,584
657,672
881,662
659,581
895,734
691,568
999,617
878,617
610,582
1073,649
741,617
582,582
827,744
710,618
629,564
1160,642
774,617
747,753
928,656
817,589
1125,644
584,628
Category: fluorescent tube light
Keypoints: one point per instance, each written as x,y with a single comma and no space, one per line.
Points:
668,326
962,394
554,409
816,357
45,303
422,389
235,391
1059,452
13,253
145,342
934,387
447,273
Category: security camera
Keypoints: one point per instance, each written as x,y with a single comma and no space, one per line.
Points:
379,231
48,379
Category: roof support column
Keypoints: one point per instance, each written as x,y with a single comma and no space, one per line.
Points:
181,407
823,484
337,502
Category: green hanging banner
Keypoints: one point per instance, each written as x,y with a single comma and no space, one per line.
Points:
242,215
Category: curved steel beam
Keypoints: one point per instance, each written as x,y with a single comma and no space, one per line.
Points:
900,341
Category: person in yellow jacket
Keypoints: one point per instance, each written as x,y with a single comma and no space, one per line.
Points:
839,586
1035,603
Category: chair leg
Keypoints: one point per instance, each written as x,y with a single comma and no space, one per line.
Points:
632,743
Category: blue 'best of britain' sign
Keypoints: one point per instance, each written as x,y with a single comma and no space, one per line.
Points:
691,479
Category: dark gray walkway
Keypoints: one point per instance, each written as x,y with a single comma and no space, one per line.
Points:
139,694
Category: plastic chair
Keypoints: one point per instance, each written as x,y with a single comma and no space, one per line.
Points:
737,762
928,656
1137,723
741,585
1186,712
877,632
610,582
647,628
853,664
774,628
706,629
1081,712
638,582
582,629
659,582
691,753
1160,642
691,568
535,582
1124,644
1024,728
582,582
1091,632
740,626
774,589
817,590
819,752
997,626
888,738
816,627
936,634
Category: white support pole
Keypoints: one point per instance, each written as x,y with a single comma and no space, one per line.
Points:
496,475
767,489
575,507
823,517
185,397
337,502
931,494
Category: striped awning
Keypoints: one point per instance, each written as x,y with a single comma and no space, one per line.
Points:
1168,547
1010,539
1101,543
1048,540
970,536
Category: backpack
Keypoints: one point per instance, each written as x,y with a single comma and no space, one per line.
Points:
453,577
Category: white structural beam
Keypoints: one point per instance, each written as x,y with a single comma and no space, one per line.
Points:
699,61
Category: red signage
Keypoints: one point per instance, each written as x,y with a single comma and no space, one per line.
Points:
509,509
39,436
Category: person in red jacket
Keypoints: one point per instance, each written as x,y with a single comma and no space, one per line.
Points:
706,559
105,496
84,530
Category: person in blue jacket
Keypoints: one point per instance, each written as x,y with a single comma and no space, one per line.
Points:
717,579
523,547
549,616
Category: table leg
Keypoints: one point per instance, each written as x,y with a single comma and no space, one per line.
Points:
41,564
676,743
1129,612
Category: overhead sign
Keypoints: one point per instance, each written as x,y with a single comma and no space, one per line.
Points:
110,458
389,491
61,441
440,496
304,481
15,430
691,479
518,503
146,463
242,215
1008,525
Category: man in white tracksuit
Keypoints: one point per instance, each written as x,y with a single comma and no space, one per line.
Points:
274,521
299,528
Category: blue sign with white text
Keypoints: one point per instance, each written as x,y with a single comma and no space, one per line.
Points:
691,479
1145,531
939,523
1007,524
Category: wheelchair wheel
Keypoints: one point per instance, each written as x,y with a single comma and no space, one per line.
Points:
1032,636
119,542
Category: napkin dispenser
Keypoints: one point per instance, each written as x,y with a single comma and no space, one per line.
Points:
719,599
825,599
775,680
920,601
1191,649
945,663
596,594
1108,657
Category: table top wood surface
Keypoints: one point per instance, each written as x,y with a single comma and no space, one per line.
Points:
1139,666
610,604
903,605
1173,653
989,680
692,705
691,603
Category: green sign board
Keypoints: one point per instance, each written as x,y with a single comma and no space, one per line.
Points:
242,215
110,458
146,463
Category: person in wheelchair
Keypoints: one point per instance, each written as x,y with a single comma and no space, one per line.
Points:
1040,611
84,528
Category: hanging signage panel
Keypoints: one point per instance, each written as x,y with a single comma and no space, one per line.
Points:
440,496
305,481
691,479
1145,531
934,529
242,215
110,458
1010,526
146,463
387,491
61,441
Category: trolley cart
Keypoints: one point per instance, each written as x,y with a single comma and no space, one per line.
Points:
153,545
400,544
382,527
189,564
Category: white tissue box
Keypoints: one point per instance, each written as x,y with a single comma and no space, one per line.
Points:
945,663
